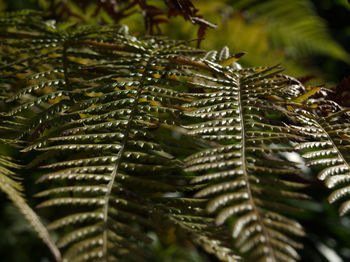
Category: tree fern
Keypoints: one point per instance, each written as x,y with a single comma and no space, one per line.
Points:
131,135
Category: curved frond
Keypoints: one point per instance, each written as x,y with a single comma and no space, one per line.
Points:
329,150
241,158
10,185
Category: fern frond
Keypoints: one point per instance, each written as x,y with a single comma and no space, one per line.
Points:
13,188
329,151
241,159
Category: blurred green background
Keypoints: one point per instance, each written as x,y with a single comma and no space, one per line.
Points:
308,38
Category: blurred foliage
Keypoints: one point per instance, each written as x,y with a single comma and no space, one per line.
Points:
291,34
336,13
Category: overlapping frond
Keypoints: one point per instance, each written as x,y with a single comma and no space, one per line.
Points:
96,111
10,185
244,176
328,149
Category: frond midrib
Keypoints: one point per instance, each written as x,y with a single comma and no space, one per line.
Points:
120,156
246,176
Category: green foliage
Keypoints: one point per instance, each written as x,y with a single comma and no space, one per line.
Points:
290,33
301,29
134,136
